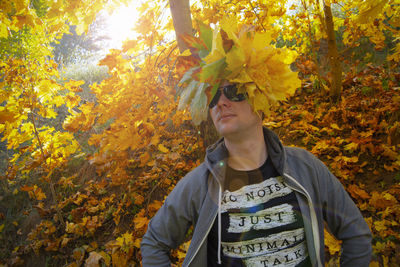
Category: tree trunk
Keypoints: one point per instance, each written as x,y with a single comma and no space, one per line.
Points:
180,10
314,55
336,68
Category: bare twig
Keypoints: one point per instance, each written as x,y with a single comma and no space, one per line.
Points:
52,189
255,13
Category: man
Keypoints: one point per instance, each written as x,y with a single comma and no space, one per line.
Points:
254,202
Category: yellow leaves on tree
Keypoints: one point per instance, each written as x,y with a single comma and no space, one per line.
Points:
135,103
369,10
28,96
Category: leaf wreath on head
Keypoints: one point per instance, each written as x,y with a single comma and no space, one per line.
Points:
239,55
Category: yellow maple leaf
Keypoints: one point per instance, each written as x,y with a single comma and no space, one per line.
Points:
126,240
332,243
144,158
139,199
380,225
140,222
162,148
74,86
70,228
137,243
355,191
39,195
369,10
155,205
351,146
335,126
217,50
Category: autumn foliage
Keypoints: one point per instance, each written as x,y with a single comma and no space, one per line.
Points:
79,189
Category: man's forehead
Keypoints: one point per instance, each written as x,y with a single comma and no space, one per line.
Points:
225,83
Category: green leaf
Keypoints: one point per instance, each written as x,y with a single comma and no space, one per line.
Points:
198,107
206,34
187,76
187,94
211,72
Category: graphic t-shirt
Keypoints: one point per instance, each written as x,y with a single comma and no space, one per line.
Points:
261,223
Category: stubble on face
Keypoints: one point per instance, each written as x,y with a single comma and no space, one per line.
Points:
234,118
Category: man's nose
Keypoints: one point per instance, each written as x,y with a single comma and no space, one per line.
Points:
223,100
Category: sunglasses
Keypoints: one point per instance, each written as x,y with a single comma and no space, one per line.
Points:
230,92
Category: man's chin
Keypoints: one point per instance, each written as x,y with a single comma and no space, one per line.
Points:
225,130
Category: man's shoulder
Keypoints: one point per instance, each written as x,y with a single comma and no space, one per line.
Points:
196,175
298,155
298,152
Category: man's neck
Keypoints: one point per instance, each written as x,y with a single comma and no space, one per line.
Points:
248,151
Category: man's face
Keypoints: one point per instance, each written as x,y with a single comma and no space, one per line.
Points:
233,117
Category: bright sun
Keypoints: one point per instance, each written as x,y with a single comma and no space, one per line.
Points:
121,22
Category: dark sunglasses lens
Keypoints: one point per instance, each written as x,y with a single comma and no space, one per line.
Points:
215,99
230,92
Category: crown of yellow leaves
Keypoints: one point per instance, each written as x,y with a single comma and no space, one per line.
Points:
240,55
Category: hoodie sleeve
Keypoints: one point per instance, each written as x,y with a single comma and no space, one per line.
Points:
344,220
168,228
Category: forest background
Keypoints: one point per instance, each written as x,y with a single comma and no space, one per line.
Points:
89,150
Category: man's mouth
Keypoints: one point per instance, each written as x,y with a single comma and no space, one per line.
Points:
226,116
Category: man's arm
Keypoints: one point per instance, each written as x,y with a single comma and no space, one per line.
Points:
345,221
168,228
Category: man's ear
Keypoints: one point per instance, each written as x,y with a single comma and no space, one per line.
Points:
208,131
261,115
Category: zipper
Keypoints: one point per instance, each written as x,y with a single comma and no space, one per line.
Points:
314,222
209,228
202,241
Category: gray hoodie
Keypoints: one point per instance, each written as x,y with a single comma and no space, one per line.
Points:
195,201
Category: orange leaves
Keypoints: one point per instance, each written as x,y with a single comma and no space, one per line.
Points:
354,142
357,193
144,159
136,133
6,116
382,201
35,192
155,206
138,199
86,227
140,221
115,61
74,86
162,148
81,121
